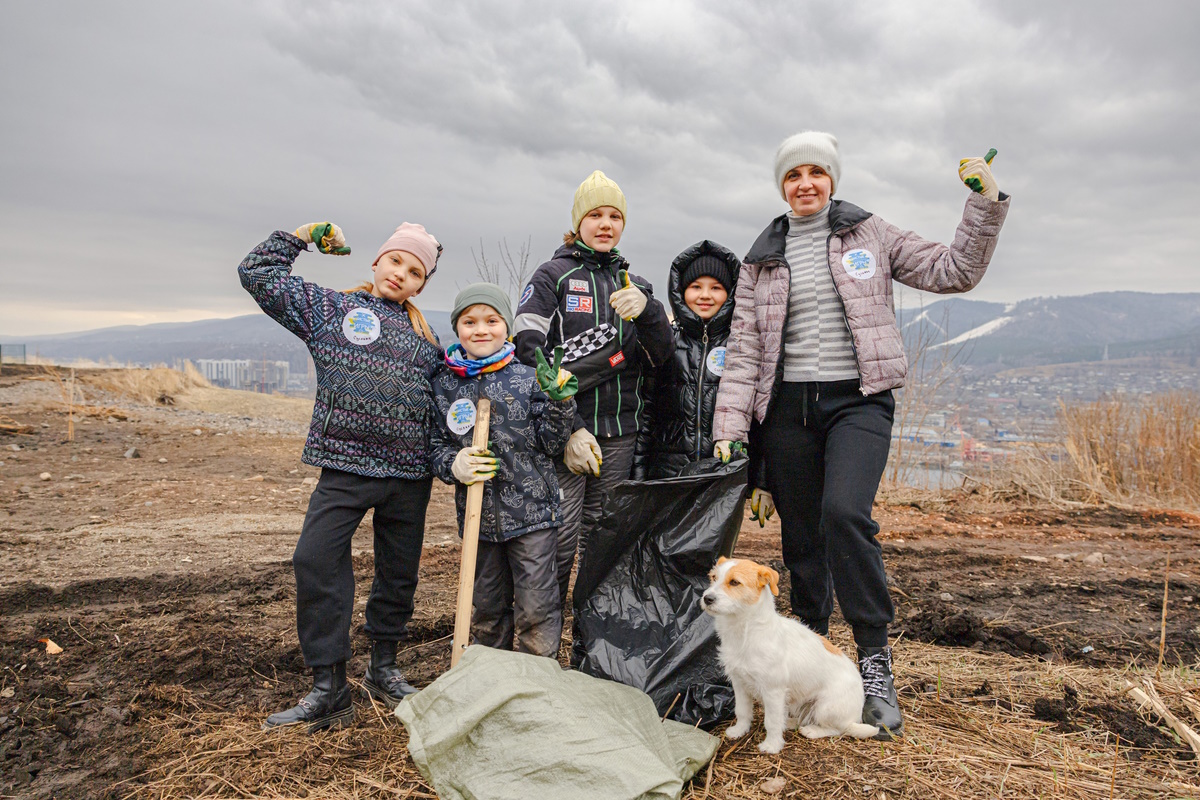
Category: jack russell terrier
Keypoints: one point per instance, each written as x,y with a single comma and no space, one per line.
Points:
800,677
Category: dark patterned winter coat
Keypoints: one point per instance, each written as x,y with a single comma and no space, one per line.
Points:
526,431
568,296
683,394
373,409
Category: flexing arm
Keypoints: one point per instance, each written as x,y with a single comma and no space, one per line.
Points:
266,273
934,267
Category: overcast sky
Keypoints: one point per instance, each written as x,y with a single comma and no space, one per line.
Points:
146,147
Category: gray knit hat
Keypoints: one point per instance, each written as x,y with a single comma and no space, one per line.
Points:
487,293
808,147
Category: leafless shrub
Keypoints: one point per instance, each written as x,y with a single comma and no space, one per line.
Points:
510,271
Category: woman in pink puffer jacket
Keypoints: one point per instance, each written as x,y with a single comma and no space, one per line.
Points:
813,354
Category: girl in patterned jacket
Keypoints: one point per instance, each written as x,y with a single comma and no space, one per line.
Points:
375,356
533,411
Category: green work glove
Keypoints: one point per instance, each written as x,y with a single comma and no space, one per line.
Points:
629,301
762,506
976,173
326,236
556,382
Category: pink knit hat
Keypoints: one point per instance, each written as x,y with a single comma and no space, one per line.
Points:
412,238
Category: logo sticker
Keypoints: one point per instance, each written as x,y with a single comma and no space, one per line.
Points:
579,304
361,326
461,416
859,264
716,361
577,286
525,295
616,358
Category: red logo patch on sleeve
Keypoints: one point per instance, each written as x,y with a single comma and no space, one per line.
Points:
617,358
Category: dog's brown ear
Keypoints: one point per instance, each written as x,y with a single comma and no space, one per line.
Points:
768,577
721,559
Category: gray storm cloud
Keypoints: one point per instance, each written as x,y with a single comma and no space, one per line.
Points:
147,147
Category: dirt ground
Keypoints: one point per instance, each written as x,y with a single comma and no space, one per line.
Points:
166,579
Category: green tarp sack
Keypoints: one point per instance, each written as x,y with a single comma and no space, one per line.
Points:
509,725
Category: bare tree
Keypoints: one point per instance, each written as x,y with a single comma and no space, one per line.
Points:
510,271
932,370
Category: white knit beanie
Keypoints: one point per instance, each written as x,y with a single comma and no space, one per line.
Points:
808,147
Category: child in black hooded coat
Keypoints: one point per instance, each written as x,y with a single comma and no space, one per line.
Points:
677,427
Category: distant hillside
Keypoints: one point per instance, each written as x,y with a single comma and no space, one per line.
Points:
253,336
1048,330
1043,330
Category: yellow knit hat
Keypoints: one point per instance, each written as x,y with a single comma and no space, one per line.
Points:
595,191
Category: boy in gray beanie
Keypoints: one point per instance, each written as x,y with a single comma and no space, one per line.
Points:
533,411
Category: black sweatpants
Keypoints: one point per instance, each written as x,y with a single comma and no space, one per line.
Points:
324,570
582,498
516,594
826,447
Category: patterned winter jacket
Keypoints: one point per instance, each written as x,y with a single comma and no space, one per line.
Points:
864,253
682,394
373,409
527,430
568,297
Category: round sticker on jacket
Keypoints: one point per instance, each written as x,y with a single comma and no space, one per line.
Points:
461,416
361,326
859,264
716,361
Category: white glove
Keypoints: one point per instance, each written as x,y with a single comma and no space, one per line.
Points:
583,456
722,450
474,464
329,237
977,174
629,301
762,506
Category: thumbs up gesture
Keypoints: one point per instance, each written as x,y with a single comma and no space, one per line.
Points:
628,301
326,236
556,382
976,173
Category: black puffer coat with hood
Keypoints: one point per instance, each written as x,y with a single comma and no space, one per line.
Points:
682,394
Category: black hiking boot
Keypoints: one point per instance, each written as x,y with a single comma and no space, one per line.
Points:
326,706
384,681
880,706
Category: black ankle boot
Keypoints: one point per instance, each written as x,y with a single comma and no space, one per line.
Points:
326,706
881,706
384,681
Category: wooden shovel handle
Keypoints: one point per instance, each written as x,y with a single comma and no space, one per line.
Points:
470,541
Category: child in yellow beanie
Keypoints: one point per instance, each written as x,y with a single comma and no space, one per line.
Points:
613,331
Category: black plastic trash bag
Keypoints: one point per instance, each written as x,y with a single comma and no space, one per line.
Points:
638,619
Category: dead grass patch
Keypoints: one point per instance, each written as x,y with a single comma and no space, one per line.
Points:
972,731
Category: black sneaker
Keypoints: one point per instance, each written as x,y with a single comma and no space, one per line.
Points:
880,706
384,681
328,705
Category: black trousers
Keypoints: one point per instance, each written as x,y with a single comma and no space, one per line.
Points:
516,594
582,498
325,572
825,448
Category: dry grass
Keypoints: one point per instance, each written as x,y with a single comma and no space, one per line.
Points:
156,386
970,733
1126,451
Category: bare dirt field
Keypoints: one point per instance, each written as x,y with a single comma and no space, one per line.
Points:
166,580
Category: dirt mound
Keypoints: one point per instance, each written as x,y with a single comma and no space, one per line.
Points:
951,627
